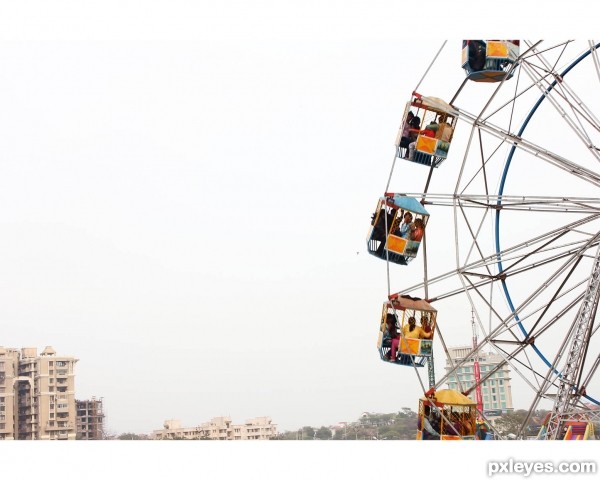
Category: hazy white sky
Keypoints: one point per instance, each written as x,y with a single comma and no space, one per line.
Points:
185,188
184,218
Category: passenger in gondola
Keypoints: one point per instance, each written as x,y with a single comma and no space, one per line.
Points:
417,230
425,323
405,140
391,333
476,55
467,425
453,426
381,227
378,225
415,127
405,227
411,330
431,129
430,432
445,130
413,133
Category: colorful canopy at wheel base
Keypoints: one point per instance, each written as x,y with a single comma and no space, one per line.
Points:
450,397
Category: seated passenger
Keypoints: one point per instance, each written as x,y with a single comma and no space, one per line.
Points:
467,423
430,432
431,129
426,323
412,331
417,231
391,333
476,55
453,426
379,228
445,130
405,227
415,125
405,140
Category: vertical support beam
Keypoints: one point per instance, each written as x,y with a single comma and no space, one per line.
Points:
431,371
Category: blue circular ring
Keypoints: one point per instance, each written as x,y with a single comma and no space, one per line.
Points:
499,203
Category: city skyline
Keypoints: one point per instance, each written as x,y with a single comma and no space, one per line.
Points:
91,420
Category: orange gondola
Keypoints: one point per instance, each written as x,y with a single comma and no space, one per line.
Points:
404,348
426,131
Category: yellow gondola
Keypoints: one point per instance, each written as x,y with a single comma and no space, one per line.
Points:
446,415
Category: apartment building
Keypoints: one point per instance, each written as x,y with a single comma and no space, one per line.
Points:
37,393
90,419
496,390
219,428
9,371
259,428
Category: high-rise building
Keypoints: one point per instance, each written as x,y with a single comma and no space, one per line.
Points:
90,419
495,390
219,428
37,393
9,371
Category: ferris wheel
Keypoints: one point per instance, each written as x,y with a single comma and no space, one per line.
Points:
510,213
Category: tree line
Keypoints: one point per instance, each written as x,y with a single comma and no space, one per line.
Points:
402,425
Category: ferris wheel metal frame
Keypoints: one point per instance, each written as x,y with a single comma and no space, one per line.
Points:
516,333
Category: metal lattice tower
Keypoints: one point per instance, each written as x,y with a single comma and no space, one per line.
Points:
568,389
431,372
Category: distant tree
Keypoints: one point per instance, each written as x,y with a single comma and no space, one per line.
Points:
403,427
510,423
377,419
130,436
384,426
308,433
108,434
323,433
359,431
287,435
